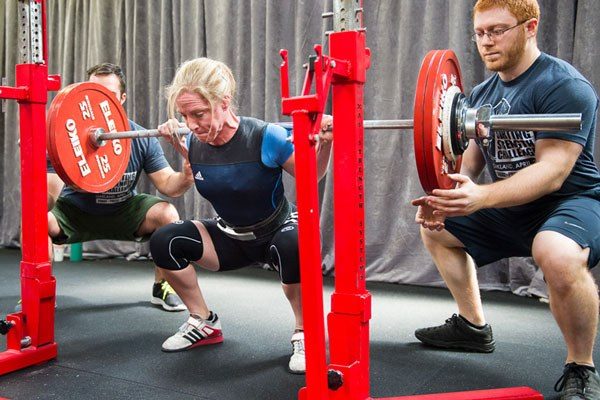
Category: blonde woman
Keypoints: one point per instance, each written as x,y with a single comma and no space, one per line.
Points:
238,164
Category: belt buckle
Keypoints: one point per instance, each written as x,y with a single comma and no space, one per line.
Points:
243,236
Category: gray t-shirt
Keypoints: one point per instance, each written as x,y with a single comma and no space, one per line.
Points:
146,154
549,86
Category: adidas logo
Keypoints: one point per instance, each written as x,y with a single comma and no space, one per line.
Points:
199,176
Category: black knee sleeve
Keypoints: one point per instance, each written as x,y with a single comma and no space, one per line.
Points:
283,254
175,245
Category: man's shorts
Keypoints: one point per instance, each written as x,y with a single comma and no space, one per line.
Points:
122,224
493,234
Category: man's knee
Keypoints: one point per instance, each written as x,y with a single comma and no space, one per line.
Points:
55,186
161,214
562,260
50,201
429,237
53,227
435,239
175,245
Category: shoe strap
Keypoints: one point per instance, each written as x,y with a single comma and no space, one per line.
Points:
166,288
195,322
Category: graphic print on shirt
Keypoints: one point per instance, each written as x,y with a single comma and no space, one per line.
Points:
510,150
119,193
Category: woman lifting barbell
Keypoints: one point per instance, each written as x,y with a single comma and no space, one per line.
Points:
237,163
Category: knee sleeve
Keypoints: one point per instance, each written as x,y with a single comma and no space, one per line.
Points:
175,245
283,254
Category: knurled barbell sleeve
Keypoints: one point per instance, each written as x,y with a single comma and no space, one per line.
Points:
536,122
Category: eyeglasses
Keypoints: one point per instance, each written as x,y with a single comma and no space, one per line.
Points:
494,34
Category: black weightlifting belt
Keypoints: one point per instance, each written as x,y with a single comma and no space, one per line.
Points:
260,230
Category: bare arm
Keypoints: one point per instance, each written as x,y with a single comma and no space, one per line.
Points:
323,157
290,165
166,180
171,183
322,162
323,150
554,161
472,161
471,166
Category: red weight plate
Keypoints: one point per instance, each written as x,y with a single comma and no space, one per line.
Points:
74,114
440,70
445,71
418,120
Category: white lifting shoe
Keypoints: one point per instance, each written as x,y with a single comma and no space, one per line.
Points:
195,332
297,363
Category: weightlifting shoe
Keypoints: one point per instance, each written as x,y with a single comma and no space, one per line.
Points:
456,333
195,332
297,363
578,382
164,296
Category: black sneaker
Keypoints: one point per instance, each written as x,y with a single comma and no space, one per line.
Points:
578,382
164,296
456,333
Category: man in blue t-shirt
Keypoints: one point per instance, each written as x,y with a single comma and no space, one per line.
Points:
121,213
544,200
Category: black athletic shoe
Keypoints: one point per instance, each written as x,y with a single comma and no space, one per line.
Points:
578,382
164,296
456,333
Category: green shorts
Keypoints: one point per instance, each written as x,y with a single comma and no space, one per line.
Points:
79,226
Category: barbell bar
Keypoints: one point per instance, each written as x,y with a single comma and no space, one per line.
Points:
84,116
527,122
100,135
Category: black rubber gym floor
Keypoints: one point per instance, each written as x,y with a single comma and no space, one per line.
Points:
109,338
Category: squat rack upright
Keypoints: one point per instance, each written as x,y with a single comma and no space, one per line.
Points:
30,332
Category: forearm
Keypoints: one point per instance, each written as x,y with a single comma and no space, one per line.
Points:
323,155
473,162
472,173
525,186
179,182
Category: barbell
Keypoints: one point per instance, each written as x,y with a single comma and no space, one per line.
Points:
83,117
